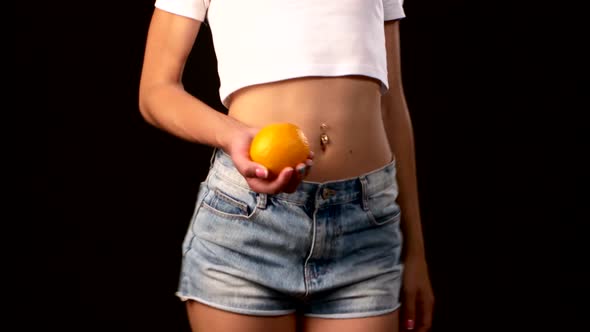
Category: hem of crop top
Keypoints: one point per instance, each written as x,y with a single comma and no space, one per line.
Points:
274,73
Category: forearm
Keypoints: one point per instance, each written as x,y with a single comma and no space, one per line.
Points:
170,108
400,135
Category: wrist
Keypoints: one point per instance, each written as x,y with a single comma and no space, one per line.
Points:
414,250
229,132
414,255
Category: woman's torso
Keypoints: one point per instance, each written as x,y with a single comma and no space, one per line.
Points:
350,107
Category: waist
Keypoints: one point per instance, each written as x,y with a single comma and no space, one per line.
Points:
362,186
347,110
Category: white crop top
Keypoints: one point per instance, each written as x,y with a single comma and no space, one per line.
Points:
261,41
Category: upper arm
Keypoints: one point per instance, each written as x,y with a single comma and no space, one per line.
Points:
392,46
169,42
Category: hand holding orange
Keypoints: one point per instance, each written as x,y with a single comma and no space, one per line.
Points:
279,145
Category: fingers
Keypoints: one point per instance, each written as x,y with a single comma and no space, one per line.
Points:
417,312
425,308
303,169
298,175
272,186
255,172
287,181
408,318
301,172
261,180
248,168
308,163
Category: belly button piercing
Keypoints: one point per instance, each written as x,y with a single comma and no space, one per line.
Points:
324,139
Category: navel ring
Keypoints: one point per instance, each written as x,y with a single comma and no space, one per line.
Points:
324,139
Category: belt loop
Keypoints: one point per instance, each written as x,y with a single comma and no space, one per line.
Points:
261,201
212,160
364,192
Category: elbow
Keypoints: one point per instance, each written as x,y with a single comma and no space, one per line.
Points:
144,109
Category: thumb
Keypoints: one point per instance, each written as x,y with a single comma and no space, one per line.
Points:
253,131
409,311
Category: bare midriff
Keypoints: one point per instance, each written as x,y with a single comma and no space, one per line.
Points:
350,107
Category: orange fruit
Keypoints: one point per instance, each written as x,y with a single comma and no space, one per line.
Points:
279,145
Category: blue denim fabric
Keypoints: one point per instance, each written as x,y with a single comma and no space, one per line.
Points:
328,250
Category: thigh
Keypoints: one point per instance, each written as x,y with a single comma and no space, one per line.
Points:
204,318
382,323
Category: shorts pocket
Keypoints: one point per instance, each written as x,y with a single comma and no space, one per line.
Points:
383,208
228,205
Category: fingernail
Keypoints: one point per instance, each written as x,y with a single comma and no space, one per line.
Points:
311,154
410,324
309,162
261,173
301,170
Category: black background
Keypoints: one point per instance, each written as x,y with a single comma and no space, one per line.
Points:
495,95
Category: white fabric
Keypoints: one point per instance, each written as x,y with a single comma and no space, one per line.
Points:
393,10
261,41
195,9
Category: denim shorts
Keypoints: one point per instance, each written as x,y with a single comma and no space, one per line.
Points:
329,250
